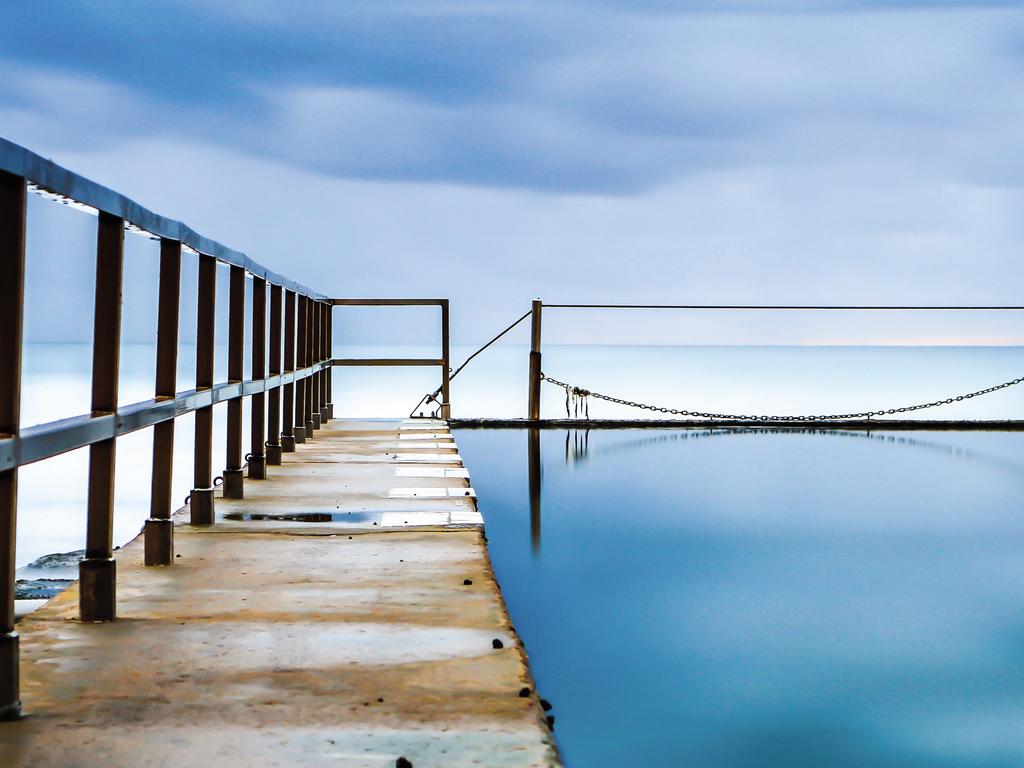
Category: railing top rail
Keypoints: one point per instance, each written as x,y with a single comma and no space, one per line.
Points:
46,174
389,302
838,307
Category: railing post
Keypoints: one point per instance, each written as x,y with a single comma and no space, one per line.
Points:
535,361
314,357
299,428
288,406
201,504
97,572
328,355
274,395
446,370
12,305
233,473
309,356
321,356
257,461
159,549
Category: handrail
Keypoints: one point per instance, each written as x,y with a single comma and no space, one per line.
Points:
44,441
50,176
444,362
288,390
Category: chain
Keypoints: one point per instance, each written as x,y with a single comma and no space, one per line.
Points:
577,394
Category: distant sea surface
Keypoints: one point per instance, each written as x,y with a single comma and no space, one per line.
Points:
764,379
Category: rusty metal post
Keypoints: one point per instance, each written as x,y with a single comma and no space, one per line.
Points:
299,428
97,572
257,461
201,504
309,355
322,347
159,549
233,473
535,361
12,305
273,448
328,355
314,358
446,371
288,404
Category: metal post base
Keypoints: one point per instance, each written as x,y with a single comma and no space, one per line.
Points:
309,428
201,506
159,541
234,484
330,411
316,420
288,443
324,418
299,433
257,467
10,698
273,454
97,596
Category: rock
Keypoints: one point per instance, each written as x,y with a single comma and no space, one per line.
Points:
403,763
467,582
59,560
524,693
546,705
39,589
496,643
551,722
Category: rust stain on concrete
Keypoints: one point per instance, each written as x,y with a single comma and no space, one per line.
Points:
351,641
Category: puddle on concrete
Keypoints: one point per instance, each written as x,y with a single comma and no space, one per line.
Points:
304,517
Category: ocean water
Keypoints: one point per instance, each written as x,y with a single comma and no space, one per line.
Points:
756,599
56,381
698,598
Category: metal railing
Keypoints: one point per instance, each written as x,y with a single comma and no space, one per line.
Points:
537,376
443,362
289,390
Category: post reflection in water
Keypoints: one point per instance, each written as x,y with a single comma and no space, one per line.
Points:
533,449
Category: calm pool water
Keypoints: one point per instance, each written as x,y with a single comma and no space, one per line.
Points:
766,599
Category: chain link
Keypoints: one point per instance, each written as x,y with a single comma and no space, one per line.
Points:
577,393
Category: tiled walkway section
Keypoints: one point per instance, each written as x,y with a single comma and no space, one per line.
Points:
344,613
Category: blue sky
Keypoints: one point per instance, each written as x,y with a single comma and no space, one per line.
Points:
577,151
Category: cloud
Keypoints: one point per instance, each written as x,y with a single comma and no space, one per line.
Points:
594,98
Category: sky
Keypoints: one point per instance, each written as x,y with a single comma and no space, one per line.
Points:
606,151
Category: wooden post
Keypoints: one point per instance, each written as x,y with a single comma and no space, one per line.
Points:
97,572
201,506
446,371
299,427
274,395
288,405
233,473
12,305
314,358
322,348
159,549
309,357
328,355
258,403
535,361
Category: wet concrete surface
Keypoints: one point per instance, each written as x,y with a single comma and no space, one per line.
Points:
350,641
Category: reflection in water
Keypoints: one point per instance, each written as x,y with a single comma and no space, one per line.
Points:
778,599
533,441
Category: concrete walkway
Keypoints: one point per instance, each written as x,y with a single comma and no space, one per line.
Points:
324,620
